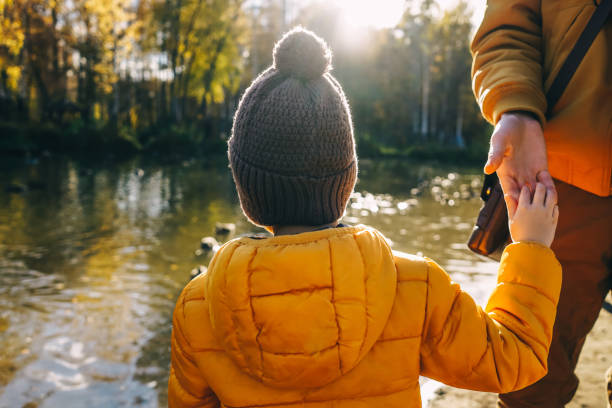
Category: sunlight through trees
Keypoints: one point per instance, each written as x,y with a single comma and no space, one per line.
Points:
168,74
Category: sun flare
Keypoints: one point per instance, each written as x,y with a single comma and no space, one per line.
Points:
367,13
360,14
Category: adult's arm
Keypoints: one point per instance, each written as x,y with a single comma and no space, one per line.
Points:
507,60
507,83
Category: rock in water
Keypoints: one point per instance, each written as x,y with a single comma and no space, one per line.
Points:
209,244
200,270
225,229
16,188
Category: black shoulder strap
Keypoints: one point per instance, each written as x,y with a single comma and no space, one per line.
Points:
575,57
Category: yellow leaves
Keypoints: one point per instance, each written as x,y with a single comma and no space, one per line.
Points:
133,117
4,3
11,34
82,47
97,111
216,92
14,74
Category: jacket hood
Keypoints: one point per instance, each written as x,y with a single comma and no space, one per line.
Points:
299,311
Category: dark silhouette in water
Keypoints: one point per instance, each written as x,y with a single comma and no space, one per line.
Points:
225,228
209,244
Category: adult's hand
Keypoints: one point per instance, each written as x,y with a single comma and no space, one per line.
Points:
518,154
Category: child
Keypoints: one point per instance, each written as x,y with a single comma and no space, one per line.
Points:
325,315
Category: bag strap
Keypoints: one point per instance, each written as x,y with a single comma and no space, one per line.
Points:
575,57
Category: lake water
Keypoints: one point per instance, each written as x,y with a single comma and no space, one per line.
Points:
93,256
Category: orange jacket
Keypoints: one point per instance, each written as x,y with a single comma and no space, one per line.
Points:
333,318
518,50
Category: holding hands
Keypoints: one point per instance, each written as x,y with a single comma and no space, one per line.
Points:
518,155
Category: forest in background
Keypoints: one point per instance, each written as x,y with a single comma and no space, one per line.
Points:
116,76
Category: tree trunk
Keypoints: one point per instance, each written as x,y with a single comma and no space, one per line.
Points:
425,98
459,141
43,92
114,111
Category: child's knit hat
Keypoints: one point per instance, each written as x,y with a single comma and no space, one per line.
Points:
292,151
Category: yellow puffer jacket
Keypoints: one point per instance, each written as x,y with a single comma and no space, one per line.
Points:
518,51
333,318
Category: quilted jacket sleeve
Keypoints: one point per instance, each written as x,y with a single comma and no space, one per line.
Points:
186,386
505,347
507,59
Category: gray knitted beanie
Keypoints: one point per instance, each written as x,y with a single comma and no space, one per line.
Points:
292,151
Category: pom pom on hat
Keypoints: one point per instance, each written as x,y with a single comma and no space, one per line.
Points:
302,54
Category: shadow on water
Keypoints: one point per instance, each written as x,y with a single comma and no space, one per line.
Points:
93,256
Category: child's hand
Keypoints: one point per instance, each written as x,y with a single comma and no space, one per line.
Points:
534,221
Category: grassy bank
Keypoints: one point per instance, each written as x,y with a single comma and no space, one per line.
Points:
102,139
430,152
93,139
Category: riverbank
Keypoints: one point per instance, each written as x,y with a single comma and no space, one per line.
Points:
594,361
100,139
94,141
